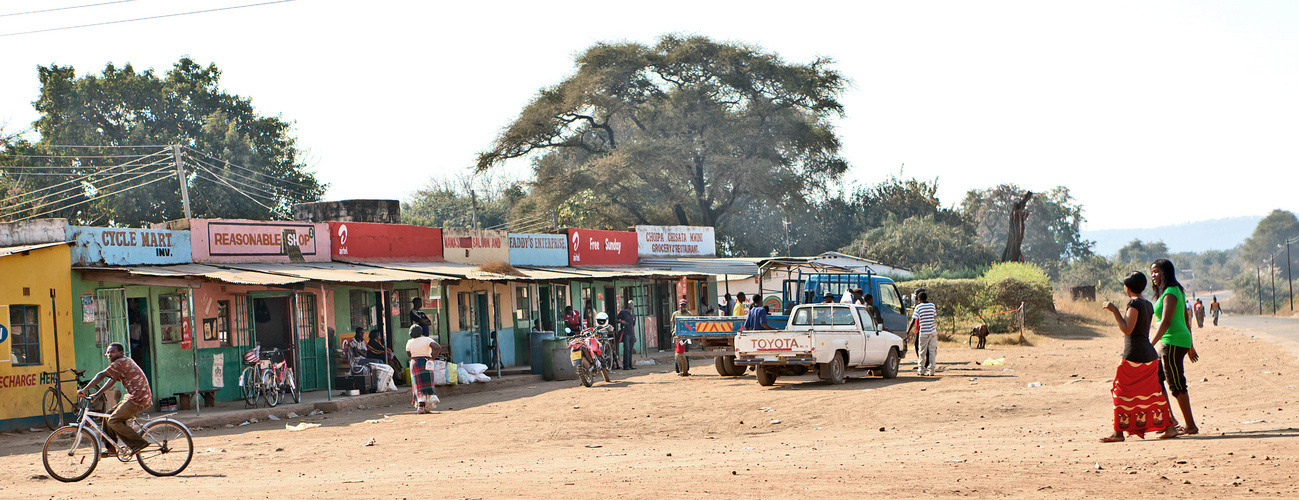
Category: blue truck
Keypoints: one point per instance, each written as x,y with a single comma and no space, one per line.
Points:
714,336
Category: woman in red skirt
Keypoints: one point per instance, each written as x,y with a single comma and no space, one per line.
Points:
1139,402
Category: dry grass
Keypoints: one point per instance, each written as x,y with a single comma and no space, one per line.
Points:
499,267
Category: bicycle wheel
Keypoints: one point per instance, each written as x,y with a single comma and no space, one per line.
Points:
270,390
68,459
249,387
52,408
292,385
169,450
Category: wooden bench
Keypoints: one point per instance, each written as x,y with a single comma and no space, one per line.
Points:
183,399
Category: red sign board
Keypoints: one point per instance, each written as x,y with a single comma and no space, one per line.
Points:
591,247
375,242
186,338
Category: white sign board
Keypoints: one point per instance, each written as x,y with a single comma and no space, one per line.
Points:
676,241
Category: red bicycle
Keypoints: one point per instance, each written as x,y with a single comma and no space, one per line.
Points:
284,382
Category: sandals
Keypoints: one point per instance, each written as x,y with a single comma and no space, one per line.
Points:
1111,439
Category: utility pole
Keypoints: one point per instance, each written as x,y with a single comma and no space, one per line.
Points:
1289,280
788,251
1258,280
1271,269
473,200
180,175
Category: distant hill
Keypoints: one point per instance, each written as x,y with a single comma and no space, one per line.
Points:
1217,234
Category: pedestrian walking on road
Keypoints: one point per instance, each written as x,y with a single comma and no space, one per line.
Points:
680,346
1174,336
924,320
1140,405
422,350
1215,310
627,325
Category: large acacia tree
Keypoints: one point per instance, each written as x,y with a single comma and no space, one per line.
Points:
686,131
250,164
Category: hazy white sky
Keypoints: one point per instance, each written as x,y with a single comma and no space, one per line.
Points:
1125,103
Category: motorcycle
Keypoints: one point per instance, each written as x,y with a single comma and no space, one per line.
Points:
590,352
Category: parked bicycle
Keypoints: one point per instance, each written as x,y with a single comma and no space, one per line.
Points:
284,382
72,452
257,380
52,405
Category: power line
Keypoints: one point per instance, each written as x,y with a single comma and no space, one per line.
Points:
64,8
212,176
246,195
66,156
81,146
225,162
75,180
165,171
77,185
88,200
144,18
268,187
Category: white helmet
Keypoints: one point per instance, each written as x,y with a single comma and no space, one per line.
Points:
601,319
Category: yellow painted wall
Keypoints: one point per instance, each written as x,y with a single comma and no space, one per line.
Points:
21,387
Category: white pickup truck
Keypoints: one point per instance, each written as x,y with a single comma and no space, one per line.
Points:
832,338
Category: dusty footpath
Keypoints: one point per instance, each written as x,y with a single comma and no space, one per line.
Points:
975,430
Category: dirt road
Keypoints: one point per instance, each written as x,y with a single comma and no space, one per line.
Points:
975,430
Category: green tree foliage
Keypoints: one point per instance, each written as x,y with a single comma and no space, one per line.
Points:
454,201
186,106
1096,271
922,243
1137,253
1269,237
1052,233
687,131
895,199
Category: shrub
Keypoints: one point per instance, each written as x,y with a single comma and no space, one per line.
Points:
1003,287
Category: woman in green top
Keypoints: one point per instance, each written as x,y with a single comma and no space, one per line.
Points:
1174,334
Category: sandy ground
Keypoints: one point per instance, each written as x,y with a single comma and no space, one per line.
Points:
977,431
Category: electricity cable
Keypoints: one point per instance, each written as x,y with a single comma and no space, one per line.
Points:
212,176
165,172
88,200
83,177
247,195
64,8
165,168
224,162
267,187
161,16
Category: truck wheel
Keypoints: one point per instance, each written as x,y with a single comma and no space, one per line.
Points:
726,366
890,367
766,375
832,372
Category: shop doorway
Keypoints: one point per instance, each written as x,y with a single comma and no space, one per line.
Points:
610,302
274,323
140,335
547,311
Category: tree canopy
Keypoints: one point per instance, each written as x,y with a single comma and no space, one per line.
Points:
239,164
687,131
1269,237
1052,232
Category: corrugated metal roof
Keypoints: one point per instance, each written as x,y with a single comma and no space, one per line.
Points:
232,276
451,270
338,272
746,267
6,251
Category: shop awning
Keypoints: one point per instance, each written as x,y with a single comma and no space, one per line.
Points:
214,273
340,272
6,251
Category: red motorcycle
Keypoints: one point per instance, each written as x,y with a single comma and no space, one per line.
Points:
590,352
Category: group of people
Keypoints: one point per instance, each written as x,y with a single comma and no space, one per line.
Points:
1146,378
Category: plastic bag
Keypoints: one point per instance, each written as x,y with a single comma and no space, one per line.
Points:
463,376
453,374
439,368
474,368
482,377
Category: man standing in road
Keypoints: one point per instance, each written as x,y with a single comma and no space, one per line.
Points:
757,318
627,322
138,398
924,320
679,344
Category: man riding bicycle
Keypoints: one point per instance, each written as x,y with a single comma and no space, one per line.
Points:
138,398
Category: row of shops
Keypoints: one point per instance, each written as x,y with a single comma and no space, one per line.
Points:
189,297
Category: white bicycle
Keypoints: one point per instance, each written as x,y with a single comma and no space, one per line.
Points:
72,451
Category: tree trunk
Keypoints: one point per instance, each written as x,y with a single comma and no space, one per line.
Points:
1015,236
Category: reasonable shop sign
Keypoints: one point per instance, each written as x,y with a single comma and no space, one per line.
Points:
675,241
253,241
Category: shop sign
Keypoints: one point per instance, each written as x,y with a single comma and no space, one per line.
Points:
592,247
186,340
676,241
87,309
110,246
252,241
538,250
474,246
375,242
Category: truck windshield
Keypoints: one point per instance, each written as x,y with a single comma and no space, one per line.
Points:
889,298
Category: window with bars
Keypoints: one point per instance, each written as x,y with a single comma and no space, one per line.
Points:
359,302
404,298
171,308
306,316
25,333
223,322
522,303
468,308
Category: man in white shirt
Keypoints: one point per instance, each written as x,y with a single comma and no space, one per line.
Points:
924,320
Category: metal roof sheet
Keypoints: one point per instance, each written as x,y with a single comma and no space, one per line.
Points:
232,276
6,251
338,272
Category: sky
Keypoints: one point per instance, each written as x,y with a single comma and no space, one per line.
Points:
1150,112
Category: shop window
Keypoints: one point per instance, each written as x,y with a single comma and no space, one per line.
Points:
359,301
171,308
522,304
404,298
306,315
223,322
466,302
25,333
